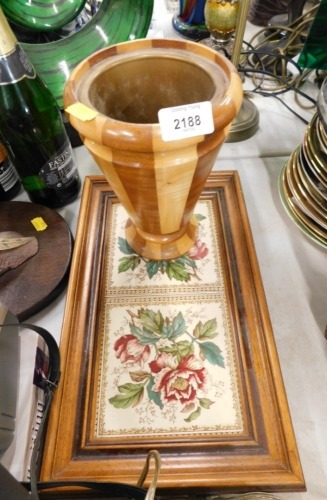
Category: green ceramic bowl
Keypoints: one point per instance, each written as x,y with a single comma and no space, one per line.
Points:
116,21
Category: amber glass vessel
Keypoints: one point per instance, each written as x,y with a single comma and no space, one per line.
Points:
221,20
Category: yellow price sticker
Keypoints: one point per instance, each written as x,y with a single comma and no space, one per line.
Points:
39,223
82,112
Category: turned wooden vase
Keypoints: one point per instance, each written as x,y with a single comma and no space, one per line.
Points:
113,99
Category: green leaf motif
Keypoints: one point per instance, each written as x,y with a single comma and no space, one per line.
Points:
139,376
199,217
152,267
174,329
124,247
194,415
176,270
151,320
130,395
153,395
212,353
185,260
208,330
145,337
205,403
127,263
180,350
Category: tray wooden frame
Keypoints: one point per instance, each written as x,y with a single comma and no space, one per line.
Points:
264,458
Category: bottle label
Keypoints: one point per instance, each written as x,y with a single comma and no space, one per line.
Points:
15,66
60,170
8,175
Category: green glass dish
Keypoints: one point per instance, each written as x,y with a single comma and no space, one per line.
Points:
313,55
116,21
42,15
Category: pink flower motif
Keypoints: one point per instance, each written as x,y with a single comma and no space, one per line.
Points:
164,360
198,251
178,382
129,350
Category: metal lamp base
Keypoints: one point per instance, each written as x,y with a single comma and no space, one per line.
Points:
245,124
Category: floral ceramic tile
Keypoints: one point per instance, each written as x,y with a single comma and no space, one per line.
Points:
199,269
168,359
167,368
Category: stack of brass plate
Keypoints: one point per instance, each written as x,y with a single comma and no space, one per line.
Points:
303,182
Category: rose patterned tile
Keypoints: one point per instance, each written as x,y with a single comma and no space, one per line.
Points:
199,269
168,368
167,351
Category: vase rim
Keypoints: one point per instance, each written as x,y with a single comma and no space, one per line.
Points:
217,68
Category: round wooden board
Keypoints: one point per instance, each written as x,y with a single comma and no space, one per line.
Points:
34,284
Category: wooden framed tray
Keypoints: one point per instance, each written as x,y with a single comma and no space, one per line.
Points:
176,356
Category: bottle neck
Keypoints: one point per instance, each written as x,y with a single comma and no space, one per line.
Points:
8,40
14,64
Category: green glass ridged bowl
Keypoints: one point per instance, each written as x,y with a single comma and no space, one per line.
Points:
42,15
116,21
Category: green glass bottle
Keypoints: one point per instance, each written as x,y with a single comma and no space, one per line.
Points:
32,130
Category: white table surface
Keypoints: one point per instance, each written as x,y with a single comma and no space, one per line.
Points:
294,273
